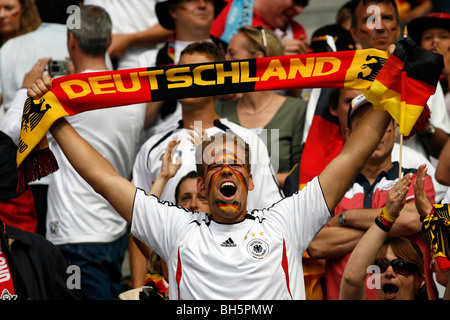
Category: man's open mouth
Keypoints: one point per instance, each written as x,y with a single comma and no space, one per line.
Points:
228,189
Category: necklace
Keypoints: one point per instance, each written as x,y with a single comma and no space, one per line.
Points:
259,110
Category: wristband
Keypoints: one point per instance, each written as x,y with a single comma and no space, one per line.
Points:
384,220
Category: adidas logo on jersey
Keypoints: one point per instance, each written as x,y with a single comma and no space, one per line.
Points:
228,243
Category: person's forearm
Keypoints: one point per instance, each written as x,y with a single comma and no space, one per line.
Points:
433,142
281,178
159,185
447,288
417,12
353,279
332,242
361,219
408,222
138,262
443,167
151,36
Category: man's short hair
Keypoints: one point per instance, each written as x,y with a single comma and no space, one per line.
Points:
94,34
335,95
203,159
205,47
354,5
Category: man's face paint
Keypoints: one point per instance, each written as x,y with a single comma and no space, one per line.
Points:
236,205
226,161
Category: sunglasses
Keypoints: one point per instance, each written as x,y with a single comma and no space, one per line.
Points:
399,266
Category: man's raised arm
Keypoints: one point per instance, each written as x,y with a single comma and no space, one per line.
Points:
90,165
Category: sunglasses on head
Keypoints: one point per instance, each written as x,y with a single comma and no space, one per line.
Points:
399,266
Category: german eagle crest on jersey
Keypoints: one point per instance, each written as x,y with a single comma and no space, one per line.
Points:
258,248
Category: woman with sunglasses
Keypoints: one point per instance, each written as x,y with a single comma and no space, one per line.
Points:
395,264
277,119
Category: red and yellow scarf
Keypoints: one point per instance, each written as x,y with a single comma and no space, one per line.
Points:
73,94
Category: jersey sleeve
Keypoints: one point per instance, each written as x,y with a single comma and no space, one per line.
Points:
302,215
158,223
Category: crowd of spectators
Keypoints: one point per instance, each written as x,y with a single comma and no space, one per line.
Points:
154,147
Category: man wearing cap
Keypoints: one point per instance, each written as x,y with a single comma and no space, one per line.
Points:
362,202
191,21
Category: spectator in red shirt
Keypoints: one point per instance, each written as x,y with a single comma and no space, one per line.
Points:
360,205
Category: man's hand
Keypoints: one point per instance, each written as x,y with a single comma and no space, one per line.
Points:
197,136
295,46
168,167
119,44
396,199
40,87
35,73
421,201
445,51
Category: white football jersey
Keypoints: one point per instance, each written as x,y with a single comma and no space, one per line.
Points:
257,258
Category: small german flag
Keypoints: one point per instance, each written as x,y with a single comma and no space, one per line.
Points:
405,83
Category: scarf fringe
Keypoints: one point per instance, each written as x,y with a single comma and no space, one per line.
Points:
423,119
37,165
